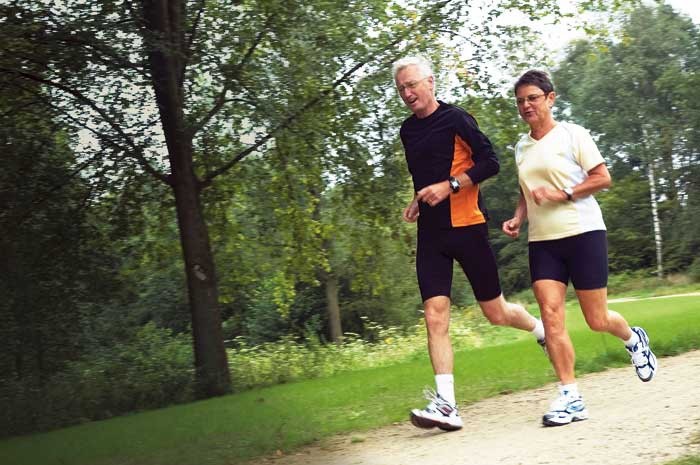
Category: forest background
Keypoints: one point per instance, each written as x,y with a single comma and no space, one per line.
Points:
196,192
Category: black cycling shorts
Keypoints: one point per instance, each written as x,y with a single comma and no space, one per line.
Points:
469,245
582,258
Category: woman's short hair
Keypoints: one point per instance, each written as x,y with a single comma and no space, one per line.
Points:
537,78
423,65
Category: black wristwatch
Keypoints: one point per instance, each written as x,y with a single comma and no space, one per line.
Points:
454,184
569,193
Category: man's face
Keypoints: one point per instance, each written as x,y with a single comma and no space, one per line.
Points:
416,90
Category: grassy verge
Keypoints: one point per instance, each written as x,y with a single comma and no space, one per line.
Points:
234,428
689,459
693,460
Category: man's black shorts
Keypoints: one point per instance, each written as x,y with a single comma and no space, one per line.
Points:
469,245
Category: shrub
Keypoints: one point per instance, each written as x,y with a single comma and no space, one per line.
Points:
290,359
153,369
694,270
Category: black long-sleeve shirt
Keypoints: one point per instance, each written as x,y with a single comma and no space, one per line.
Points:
446,143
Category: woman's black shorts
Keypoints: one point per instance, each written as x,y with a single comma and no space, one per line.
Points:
582,258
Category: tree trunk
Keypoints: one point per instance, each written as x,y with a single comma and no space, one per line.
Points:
164,25
333,307
655,219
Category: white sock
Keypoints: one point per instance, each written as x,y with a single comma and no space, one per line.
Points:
446,387
632,341
569,390
538,332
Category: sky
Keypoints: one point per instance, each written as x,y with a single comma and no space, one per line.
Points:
689,7
557,36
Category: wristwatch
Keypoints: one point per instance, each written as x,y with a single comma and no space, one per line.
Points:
569,193
454,184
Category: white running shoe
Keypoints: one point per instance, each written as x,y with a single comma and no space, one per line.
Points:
565,409
643,358
438,413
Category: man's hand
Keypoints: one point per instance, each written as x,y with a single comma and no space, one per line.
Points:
512,227
410,213
434,193
542,194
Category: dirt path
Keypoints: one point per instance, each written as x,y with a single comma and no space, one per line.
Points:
631,423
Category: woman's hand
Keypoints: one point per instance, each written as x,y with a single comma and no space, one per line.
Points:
542,194
511,227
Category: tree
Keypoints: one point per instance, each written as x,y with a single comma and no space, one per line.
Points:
633,92
209,72
53,259
184,90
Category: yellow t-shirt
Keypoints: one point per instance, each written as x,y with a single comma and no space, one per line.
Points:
562,158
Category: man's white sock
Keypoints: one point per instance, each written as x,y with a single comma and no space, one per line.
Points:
445,384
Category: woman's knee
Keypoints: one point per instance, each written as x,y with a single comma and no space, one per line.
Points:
598,323
553,318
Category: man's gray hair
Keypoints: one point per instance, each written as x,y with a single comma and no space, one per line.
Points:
423,65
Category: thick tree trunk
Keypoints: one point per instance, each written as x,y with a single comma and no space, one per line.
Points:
164,25
211,364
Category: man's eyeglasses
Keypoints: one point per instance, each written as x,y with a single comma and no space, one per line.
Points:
410,85
529,99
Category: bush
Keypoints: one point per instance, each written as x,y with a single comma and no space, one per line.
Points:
694,270
290,359
153,369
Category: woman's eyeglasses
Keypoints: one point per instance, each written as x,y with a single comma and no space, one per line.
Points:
529,99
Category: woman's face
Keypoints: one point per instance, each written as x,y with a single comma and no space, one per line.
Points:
534,105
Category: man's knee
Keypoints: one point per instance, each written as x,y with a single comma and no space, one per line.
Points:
497,318
437,313
496,311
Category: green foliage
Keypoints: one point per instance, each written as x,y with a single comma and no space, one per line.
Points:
636,94
151,370
694,270
628,221
55,264
290,360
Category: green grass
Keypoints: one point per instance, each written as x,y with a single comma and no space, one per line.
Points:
220,431
692,460
689,459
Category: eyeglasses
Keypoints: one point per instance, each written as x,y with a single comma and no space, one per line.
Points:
529,99
410,85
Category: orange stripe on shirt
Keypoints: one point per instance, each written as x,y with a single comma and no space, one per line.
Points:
464,205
